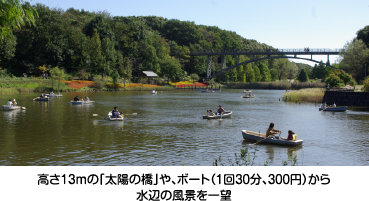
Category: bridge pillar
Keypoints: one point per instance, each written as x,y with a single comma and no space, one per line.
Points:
328,58
208,64
223,61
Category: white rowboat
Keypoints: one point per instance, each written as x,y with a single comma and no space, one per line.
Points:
5,107
115,119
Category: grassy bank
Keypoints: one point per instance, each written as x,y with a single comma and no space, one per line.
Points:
304,95
274,85
32,85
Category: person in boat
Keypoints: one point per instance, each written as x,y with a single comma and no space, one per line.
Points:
271,131
115,113
220,110
249,94
76,98
290,135
42,95
14,102
334,104
58,93
9,103
324,105
87,99
211,113
51,93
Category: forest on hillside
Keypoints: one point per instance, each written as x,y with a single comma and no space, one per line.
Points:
96,43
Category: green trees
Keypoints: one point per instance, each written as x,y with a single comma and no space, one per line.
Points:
15,14
281,68
125,46
319,71
303,76
354,56
363,34
92,53
109,57
57,74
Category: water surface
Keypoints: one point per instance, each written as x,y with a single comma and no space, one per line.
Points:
169,130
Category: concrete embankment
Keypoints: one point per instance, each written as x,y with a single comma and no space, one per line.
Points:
344,98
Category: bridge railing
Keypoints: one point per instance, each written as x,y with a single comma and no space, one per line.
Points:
267,51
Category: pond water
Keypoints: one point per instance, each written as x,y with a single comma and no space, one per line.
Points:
169,130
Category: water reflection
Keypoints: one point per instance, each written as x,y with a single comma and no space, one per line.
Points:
12,115
218,123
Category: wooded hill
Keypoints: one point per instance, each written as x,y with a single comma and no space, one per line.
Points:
125,46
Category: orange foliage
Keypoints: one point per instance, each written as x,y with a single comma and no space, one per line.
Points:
77,84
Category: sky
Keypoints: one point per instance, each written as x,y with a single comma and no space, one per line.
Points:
281,24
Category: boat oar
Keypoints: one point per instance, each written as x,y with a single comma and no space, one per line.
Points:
260,140
131,114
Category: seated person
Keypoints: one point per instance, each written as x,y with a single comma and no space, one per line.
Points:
115,113
271,131
211,113
9,102
58,93
220,110
290,135
76,98
324,105
42,95
87,99
334,104
51,93
14,102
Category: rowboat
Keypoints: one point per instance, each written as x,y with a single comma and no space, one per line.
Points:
247,96
334,109
115,119
41,99
247,91
254,136
80,102
54,95
225,115
6,107
207,91
88,102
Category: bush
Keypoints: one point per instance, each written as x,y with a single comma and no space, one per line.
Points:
366,84
333,80
99,85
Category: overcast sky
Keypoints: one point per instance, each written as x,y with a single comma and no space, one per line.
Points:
281,24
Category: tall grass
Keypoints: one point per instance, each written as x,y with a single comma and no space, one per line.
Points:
304,95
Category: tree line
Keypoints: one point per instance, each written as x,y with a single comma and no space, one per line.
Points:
96,43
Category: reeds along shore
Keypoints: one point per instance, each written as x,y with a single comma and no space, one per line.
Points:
275,85
305,95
